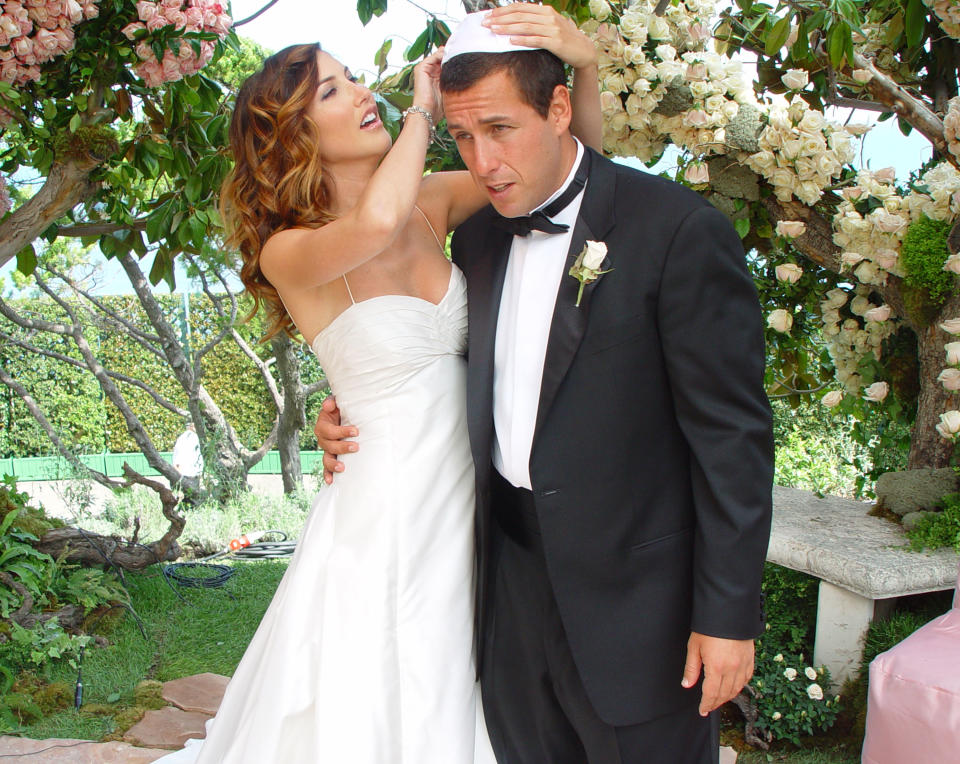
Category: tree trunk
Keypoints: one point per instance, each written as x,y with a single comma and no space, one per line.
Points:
292,415
927,447
67,184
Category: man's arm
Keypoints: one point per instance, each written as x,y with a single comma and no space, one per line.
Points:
332,438
712,336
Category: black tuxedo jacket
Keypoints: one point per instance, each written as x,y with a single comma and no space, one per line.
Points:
652,457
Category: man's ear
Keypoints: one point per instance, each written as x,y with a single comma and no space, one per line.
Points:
560,112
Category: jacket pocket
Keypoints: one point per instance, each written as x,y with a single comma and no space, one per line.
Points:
644,545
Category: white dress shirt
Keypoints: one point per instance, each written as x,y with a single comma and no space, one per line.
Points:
534,271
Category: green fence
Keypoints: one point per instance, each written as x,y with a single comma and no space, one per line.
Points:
57,468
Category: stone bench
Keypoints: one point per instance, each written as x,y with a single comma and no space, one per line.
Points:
864,563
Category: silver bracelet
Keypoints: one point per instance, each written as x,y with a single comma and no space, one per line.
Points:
426,115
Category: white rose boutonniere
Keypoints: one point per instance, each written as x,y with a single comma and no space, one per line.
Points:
586,269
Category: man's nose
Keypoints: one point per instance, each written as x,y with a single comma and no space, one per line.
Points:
485,157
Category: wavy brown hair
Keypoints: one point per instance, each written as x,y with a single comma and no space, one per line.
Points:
278,179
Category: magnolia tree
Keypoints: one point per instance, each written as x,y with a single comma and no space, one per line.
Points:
850,262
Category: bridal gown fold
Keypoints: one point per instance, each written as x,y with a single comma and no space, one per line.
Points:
365,653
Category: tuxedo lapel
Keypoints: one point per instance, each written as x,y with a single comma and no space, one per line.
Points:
485,286
569,323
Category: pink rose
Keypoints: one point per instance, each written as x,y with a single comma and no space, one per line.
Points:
9,71
144,51
194,17
171,68
74,11
151,72
696,118
9,26
172,4
950,379
5,54
885,175
157,22
46,44
38,13
23,47
222,24
877,392
130,30
697,173
879,314
146,10
176,17
90,11
889,223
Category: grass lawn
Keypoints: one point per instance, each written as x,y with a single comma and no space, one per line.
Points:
209,632
206,631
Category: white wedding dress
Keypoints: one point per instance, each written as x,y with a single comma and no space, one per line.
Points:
365,653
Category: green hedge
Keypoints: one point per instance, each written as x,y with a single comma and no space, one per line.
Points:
72,400
56,468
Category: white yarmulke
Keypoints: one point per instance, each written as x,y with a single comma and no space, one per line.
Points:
472,37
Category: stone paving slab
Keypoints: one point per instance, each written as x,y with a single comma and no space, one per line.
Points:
727,755
200,692
21,750
167,728
836,540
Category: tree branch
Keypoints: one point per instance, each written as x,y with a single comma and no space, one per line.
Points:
100,228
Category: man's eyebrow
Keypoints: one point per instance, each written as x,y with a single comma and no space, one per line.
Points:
484,120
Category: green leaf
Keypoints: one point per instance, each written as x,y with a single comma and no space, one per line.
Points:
778,35
27,260
193,188
419,46
381,58
74,123
837,43
113,697
916,22
742,225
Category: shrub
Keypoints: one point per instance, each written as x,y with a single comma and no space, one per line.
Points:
923,253
791,698
940,529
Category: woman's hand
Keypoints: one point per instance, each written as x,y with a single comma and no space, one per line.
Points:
426,84
540,26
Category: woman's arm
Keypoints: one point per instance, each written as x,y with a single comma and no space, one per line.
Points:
302,258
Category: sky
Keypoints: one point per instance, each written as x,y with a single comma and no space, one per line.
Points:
335,25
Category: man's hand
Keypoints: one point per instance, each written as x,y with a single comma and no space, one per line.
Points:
727,666
331,437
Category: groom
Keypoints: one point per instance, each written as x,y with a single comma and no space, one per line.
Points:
621,436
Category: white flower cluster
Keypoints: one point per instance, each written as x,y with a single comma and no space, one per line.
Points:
659,81
801,153
949,426
948,11
660,84
951,126
849,339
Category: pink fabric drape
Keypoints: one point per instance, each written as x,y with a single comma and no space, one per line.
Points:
913,710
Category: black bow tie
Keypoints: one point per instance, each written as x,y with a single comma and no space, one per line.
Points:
539,220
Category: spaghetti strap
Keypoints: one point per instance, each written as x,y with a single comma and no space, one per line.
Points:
352,301
432,230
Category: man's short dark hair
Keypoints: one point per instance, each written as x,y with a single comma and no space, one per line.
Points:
536,73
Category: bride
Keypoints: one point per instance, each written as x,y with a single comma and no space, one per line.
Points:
365,653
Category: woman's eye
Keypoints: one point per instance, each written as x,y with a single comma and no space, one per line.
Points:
329,93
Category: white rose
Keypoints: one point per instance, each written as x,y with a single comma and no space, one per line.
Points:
876,393
878,314
776,715
836,298
889,223
781,321
778,657
697,173
815,692
850,259
832,398
951,326
596,252
953,353
789,272
657,28
949,424
791,228
862,75
887,259
950,379
952,264
790,673
599,9
860,305
810,672
812,122
795,79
